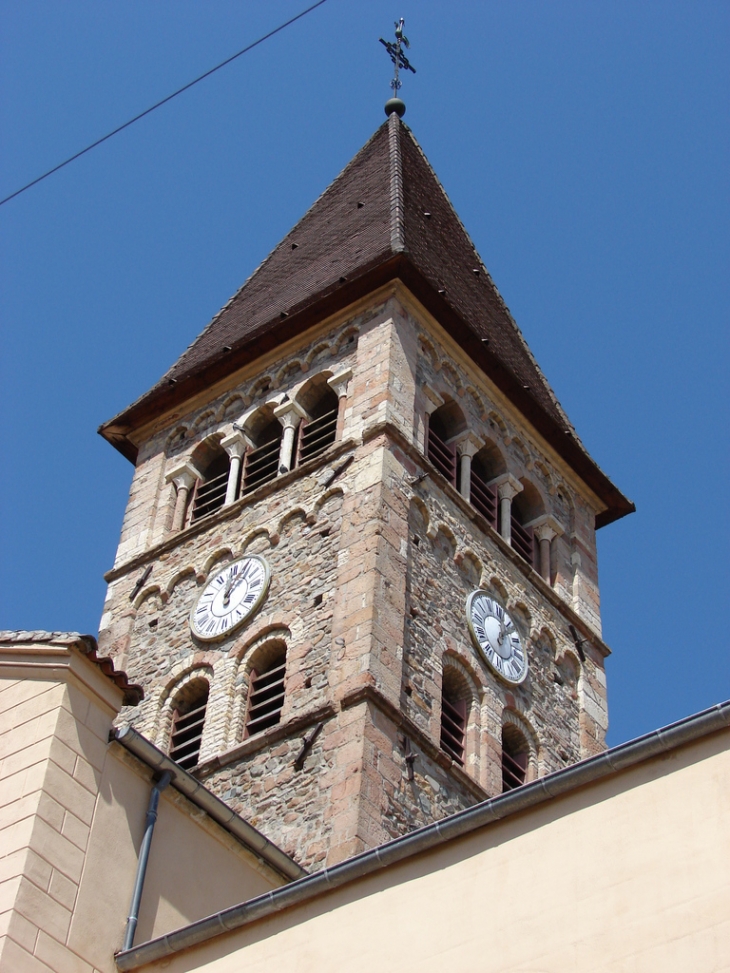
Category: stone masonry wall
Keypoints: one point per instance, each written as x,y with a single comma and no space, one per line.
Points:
370,565
443,374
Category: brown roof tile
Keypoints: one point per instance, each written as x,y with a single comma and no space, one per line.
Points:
369,227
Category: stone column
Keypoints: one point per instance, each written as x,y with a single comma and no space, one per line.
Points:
545,529
507,487
339,383
289,415
184,477
431,401
235,445
467,445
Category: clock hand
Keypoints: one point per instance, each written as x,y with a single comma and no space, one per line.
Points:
229,588
504,630
234,584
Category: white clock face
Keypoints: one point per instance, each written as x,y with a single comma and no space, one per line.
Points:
496,637
229,598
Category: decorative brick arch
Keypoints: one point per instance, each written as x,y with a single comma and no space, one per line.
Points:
176,439
203,421
254,535
219,556
320,350
461,685
476,401
513,715
349,335
465,558
288,371
231,406
153,591
164,697
271,640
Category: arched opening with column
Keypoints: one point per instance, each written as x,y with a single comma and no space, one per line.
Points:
209,493
318,429
444,425
261,461
486,465
526,507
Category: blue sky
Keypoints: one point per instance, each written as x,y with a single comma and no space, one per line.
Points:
586,148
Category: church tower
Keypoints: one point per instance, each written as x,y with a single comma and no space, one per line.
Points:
357,573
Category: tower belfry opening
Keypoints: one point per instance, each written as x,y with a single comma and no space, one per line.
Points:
390,537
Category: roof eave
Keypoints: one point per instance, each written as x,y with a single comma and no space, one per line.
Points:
162,398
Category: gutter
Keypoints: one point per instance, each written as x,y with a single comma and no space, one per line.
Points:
144,856
199,795
427,839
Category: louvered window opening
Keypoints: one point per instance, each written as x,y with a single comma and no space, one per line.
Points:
261,465
442,456
453,728
316,435
522,540
187,733
514,770
265,699
209,496
484,499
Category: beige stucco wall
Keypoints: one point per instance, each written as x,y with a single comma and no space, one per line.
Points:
630,875
195,867
72,814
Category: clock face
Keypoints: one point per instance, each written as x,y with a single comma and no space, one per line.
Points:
496,637
229,598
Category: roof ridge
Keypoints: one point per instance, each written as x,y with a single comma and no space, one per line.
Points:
397,207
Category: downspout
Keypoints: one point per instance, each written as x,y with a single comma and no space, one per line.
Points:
144,855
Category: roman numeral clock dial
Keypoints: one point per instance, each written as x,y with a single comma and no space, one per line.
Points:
496,637
229,598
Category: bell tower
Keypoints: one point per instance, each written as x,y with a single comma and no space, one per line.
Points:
357,573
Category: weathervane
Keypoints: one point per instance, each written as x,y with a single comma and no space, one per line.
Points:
395,104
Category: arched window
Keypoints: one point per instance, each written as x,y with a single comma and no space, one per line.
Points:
454,715
486,466
188,718
266,691
443,425
210,489
261,462
526,506
319,429
515,757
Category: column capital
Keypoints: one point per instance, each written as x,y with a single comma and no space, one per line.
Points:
467,444
183,475
289,414
339,382
546,527
235,444
507,486
433,399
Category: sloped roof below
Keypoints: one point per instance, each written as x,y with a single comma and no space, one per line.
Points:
86,644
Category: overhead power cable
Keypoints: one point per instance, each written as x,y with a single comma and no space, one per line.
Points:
164,101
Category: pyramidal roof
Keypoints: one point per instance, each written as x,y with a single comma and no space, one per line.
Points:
386,216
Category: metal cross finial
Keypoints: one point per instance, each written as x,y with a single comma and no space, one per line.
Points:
398,58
